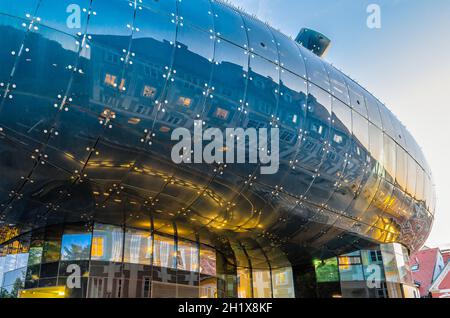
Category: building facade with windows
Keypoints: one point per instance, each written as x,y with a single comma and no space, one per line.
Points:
92,205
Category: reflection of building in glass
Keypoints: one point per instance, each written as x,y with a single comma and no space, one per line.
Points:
86,175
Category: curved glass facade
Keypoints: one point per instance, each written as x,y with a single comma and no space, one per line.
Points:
91,91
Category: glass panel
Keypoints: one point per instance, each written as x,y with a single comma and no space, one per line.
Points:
68,16
244,284
290,56
36,248
262,284
327,270
76,244
283,283
361,129
187,256
292,102
197,13
315,70
420,196
412,175
2,266
402,168
342,119
164,251
386,118
229,25
114,12
357,94
52,245
21,11
351,273
262,92
107,243
138,247
389,158
261,39
338,85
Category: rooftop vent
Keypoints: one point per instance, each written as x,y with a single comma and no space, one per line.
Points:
314,41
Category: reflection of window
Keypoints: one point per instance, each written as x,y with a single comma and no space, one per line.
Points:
184,101
75,247
149,91
97,247
221,113
187,256
110,80
415,268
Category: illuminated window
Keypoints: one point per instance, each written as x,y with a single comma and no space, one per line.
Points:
184,101
221,113
75,246
149,91
110,80
97,246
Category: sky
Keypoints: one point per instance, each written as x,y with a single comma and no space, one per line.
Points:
405,63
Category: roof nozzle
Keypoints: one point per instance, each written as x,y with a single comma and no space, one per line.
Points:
314,41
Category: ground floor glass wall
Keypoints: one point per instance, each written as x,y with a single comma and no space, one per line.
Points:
97,260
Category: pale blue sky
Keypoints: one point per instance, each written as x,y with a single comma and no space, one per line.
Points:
406,64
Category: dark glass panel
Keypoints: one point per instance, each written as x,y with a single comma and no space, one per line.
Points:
357,100
229,25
